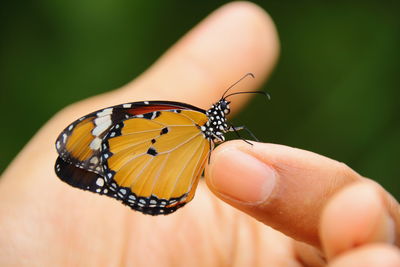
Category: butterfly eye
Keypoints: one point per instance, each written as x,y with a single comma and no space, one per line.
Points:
225,106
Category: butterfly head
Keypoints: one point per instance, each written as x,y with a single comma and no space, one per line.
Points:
224,106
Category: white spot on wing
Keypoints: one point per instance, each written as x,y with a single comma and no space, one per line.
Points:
146,102
95,144
100,182
104,112
64,138
58,145
94,160
103,119
102,124
127,105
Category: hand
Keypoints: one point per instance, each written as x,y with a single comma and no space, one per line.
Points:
332,212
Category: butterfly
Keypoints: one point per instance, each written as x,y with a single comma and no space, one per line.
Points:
149,155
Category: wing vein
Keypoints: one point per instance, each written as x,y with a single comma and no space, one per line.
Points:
159,172
190,188
165,125
184,166
188,117
136,178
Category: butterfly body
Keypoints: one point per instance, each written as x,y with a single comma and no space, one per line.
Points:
149,155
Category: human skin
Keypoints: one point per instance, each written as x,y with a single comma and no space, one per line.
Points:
281,206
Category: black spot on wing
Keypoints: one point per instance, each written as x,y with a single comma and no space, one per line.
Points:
164,130
152,115
152,151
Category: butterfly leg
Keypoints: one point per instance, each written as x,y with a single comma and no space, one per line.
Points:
235,129
209,153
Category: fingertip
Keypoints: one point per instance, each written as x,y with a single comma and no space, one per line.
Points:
355,216
369,256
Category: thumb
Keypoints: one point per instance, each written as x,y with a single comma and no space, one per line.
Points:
283,187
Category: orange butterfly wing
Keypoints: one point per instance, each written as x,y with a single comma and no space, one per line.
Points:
149,155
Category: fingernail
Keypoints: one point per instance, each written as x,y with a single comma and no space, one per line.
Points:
242,177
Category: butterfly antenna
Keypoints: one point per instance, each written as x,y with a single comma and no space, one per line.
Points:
230,87
267,96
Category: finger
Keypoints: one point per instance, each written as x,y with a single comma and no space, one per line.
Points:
308,255
369,256
354,217
283,187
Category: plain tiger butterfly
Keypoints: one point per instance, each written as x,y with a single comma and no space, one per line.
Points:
149,155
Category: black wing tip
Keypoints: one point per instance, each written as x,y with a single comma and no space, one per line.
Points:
86,180
155,211
151,205
78,177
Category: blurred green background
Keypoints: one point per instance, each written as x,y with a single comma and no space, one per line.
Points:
334,91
